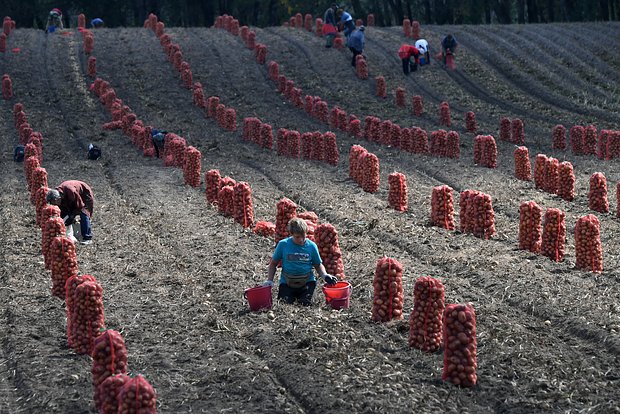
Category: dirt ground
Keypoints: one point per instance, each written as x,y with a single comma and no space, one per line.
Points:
174,270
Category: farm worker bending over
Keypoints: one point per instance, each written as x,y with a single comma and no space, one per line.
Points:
448,43
298,255
329,24
74,198
405,53
54,21
425,53
356,43
96,23
346,23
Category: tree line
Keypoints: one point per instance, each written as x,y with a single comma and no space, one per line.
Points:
275,12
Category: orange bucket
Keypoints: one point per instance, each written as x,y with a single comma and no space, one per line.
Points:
258,297
338,295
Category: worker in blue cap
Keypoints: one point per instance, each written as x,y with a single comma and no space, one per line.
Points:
96,23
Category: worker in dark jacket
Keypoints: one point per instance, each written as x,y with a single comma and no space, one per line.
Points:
448,43
356,43
405,53
54,21
75,198
330,24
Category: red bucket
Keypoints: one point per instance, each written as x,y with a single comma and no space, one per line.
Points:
258,297
338,295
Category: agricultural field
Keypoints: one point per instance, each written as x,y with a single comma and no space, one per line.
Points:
173,269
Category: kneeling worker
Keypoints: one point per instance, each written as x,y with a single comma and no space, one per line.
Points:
298,255
75,198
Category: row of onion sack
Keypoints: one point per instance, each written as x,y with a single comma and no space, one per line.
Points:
8,25
114,391
605,144
432,324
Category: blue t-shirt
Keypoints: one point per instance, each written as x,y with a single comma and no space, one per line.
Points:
296,259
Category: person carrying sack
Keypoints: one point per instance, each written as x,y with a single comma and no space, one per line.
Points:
298,256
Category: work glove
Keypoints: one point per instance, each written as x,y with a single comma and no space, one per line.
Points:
329,279
268,283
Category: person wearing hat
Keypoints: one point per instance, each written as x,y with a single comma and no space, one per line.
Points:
54,21
405,53
346,24
448,43
75,198
356,43
425,54
96,23
298,256
329,24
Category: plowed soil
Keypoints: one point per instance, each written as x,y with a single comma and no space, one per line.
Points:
174,270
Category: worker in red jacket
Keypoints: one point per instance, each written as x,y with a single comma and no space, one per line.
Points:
75,198
406,52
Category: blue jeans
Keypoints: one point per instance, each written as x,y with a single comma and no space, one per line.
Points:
85,227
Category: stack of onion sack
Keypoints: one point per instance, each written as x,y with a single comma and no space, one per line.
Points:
420,141
442,207
453,143
355,156
53,227
397,197
7,87
39,179
108,391
400,97
460,359
577,135
70,286
312,220
40,203
425,322
361,67
212,185
588,249
466,221
198,95
109,358
388,290
191,167
530,228
558,137
287,210
554,234
418,107
226,197
504,129
87,317
326,238
566,181
212,103
47,212
480,214
518,134
470,122
331,155
539,170
589,140
308,22
407,27
551,177
92,66
485,151
63,264
439,143
265,228
444,114
137,396
243,205
381,88
523,168
370,168
597,197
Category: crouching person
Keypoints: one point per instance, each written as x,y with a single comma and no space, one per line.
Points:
298,255
75,198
